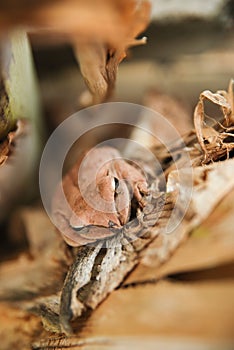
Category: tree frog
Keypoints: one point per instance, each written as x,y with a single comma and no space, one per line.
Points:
99,190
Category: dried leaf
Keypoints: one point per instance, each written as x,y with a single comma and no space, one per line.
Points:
147,316
213,142
11,148
7,121
82,19
41,269
96,272
99,60
10,142
12,320
211,184
99,269
4,151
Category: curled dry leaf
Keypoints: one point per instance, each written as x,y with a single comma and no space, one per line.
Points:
216,141
12,154
99,59
8,144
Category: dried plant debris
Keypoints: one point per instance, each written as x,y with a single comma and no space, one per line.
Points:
99,59
87,285
18,328
217,141
210,184
100,267
7,122
12,148
207,143
131,313
4,151
7,144
10,142
141,246
41,267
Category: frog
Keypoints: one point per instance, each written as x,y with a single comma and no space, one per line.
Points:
94,199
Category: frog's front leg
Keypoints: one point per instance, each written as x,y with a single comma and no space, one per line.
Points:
135,178
70,236
141,190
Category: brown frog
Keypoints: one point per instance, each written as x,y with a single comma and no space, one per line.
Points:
99,190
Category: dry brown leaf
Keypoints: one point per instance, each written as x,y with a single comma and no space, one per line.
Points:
170,108
79,291
12,319
82,19
140,317
4,151
211,184
214,142
99,59
12,175
8,144
40,270
160,308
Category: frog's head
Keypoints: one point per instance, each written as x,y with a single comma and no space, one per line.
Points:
106,203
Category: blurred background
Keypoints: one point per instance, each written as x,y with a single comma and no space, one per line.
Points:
190,48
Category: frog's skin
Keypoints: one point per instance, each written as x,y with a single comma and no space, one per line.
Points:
104,179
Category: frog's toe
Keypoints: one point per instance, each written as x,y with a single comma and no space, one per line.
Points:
143,188
140,191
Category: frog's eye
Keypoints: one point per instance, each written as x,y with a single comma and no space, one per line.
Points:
113,184
116,183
